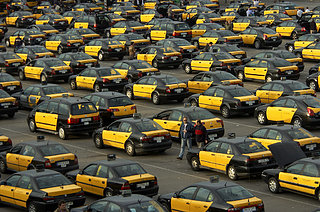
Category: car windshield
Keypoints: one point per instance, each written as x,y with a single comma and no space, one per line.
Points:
281,63
6,78
239,91
169,80
81,56
312,102
268,31
126,8
135,37
119,101
212,15
291,7
226,33
248,147
50,181
281,15
182,26
54,90
296,85
141,65
55,63
4,94
225,76
299,133
147,125
129,170
39,49
11,56
56,16
182,42
224,56
146,206
233,193
113,42
53,149
166,50
288,55
107,72
200,115
134,24
83,108
25,13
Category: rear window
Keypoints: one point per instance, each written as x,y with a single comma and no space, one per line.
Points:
113,42
144,126
182,26
297,86
166,50
86,31
250,147
232,48
135,37
233,193
200,115
226,33
239,92
134,24
54,90
225,76
47,27
56,16
312,102
182,42
141,65
39,49
289,8
120,101
25,13
53,149
73,37
4,94
7,78
129,170
11,56
83,108
55,63
268,31
145,206
224,56
49,181
281,63
288,55
81,56
169,80
299,133
107,72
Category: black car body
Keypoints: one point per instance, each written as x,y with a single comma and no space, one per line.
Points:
9,84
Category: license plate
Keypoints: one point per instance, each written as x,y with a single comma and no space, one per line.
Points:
76,44
61,23
86,120
274,39
63,71
252,209
289,72
184,33
39,39
265,160
69,204
212,136
89,64
179,90
174,58
15,64
311,146
63,163
11,88
142,185
1,143
250,102
158,139
117,80
189,50
118,50
5,104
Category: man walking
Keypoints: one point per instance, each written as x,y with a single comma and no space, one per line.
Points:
186,131
62,207
201,135
132,51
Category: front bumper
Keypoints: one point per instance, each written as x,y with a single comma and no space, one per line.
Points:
153,147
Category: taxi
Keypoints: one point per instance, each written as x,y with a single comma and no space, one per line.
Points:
288,56
9,84
231,49
314,69
97,79
124,27
151,4
230,16
204,195
72,15
44,69
157,21
180,45
113,176
234,156
158,88
6,143
296,110
96,22
8,104
243,23
302,41
47,29
61,43
87,8
204,80
240,8
104,48
10,62
171,120
64,116
289,10
268,135
210,18
227,100
174,29
267,70
193,12
79,61
44,4
159,56
279,88
86,34
125,11
207,61
55,20
29,53
260,37
176,11
134,69
291,29
30,154
134,135
277,18
313,81
200,29
28,37
113,18
37,93
40,12
138,40
148,15
40,190
20,19
310,52
112,106
217,37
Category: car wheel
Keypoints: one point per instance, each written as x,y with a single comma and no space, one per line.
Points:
32,125
261,117
60,51
257,44
32,207
100,55
240,75
195,164
155,63
194,103
318,194
3,167
294,36
108,192
290,48
43,78
73,85
97,88
130,149
149,38
155,98
297,122
187,69
98,142
225,111
62,133
232,173
7,43
17,24
268,78
129,93
273,185
313,85
108,34
21,75
196,44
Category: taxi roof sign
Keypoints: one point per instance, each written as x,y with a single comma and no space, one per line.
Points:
137,116
214,179
111,156
126,193
40,138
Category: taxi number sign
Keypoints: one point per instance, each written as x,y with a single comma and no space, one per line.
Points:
15,64
158,139
250,102
265,160
179,90
212,136
142,185
86,120
118,50
311,146
11,87
252,209
174,58
69,204
63,163
117,80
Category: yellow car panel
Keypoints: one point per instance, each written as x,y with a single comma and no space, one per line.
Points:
46,121
245,202
59,191
12,161
21,196
117,31
24,162
266,142
285,31
115,139
144,18
248,39
158,34
83,25
203,41
239,27
145,91
255,73
210,102
150,5
139,178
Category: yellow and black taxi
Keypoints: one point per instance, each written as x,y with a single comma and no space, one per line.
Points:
180,45
227,100
30,154
157,21
234,156
37,93
267,70
112,106
313,80
151,4
47,29
113,176
268,135
158,88
279,88
10,62
192,13
200,29
125,11
204,80
277,18
213,195
148,15
134,135
260,37
104,48
231,49
87,8
44,4
174,29
20,19
78,61
210,18
138,40
64,116
296,110
40,190
72,15
230,16
207,61
240,8
28,53
8,104
112,18
217,37
124,27
175,11
288,56
63,43
55,20
291,29
28,37
96,22
40,12
9,84
134,69
302,41
97,79
243,23
289,10
310,52
44,69
214,6
6,143
86,34
171,120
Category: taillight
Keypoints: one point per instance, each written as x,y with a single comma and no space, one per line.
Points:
168,90
250,160
133,108
46,198
9,141
140,74
223,64
125,186
1,86
303,29
6,63
145,138
76,161
165,58
133,30
234,209
265,37
113,110
96,118
260,205
47,164
221,122
167,136
285,12
181,50
68,44
73,121
81,193
53,72
95,25
104,80
37,56
310,112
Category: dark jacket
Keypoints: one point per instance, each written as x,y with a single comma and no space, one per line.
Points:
313,25
200,133
189,129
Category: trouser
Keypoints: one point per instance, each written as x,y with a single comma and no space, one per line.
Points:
185,142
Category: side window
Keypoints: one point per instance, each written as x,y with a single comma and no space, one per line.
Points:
102,172
90,170
114,126
207,78
53,107
28,151
125,127
152,51
203,195
164,115
176,116
268,55
209,92
98,206
197,77
85,73
35,91
117,65
273,134
277,87
253,63
152,81
95,100
13,180
143,81
259,133
260,55
279,103
16,149
63,109
291,103
212,147
263,64
92,73
219,93
39,64
124,66
311,170
225,149
102,102
27,92
266,87
113,207
24,182
200,57
42,107
295,169
187,193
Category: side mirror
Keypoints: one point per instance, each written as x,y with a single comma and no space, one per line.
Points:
175,195
3,182
80,172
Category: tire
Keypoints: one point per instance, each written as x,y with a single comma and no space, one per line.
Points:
297,122
60,50
98,142
97,88
32,125
257,44
240,75
194,103
187,69
294,35
155,98
195,164
313,85
273,185
43,78
73,85
108,192
129,93
21,75
108,34
155,63
196,44
100,55
232,173
3,167
149,38
268,78
290,48
32,207
261,118
318,194
166,206
225,111
130,149
7,43
298,54
62,133
11,114
17,24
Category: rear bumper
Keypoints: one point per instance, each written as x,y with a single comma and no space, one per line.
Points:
254,170
82,128
8,110
60,76
272,43
66,169
174,96
153,147
287,76
150,192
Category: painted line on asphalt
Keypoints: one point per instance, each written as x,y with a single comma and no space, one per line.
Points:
245,125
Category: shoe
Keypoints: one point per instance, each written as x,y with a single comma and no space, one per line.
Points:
179,158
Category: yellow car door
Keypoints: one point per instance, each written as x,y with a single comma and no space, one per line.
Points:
289,110
84,178
125,131
223,156
205,101
22,192
100,180
275,92
309,180
196,64
207,157
13,159
181,203
275,110
7,191
290,178
217,99
263,95
109,135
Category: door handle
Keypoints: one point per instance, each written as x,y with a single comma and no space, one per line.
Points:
28,160
114,134
295,178
228,156
179,124
165,122
103,182
27,193
205,206
254,69
213,154
17,158
89,179
280,110
316,182
188,203
12,189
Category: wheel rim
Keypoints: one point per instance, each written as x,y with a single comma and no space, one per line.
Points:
195,44
194,103
129,149
187,69
100,56
240,76
60,50
261,118
155,64
257,45
294,36
61,132
2,165
290,48
108,194
155,98
194,163
43,78
130,80
312,86
269,79
272,185
21,75
297,123
7,43
225,112
232,173
73,85
32,125
32,208
96,88
98,141
129,94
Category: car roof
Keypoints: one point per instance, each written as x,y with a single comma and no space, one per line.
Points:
271,60
215,185
187,109
234,140
285,81
229,87
44,59
70,100
108,94
116,162
44,85
40,143
135,120
38,173
127,200
281,127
